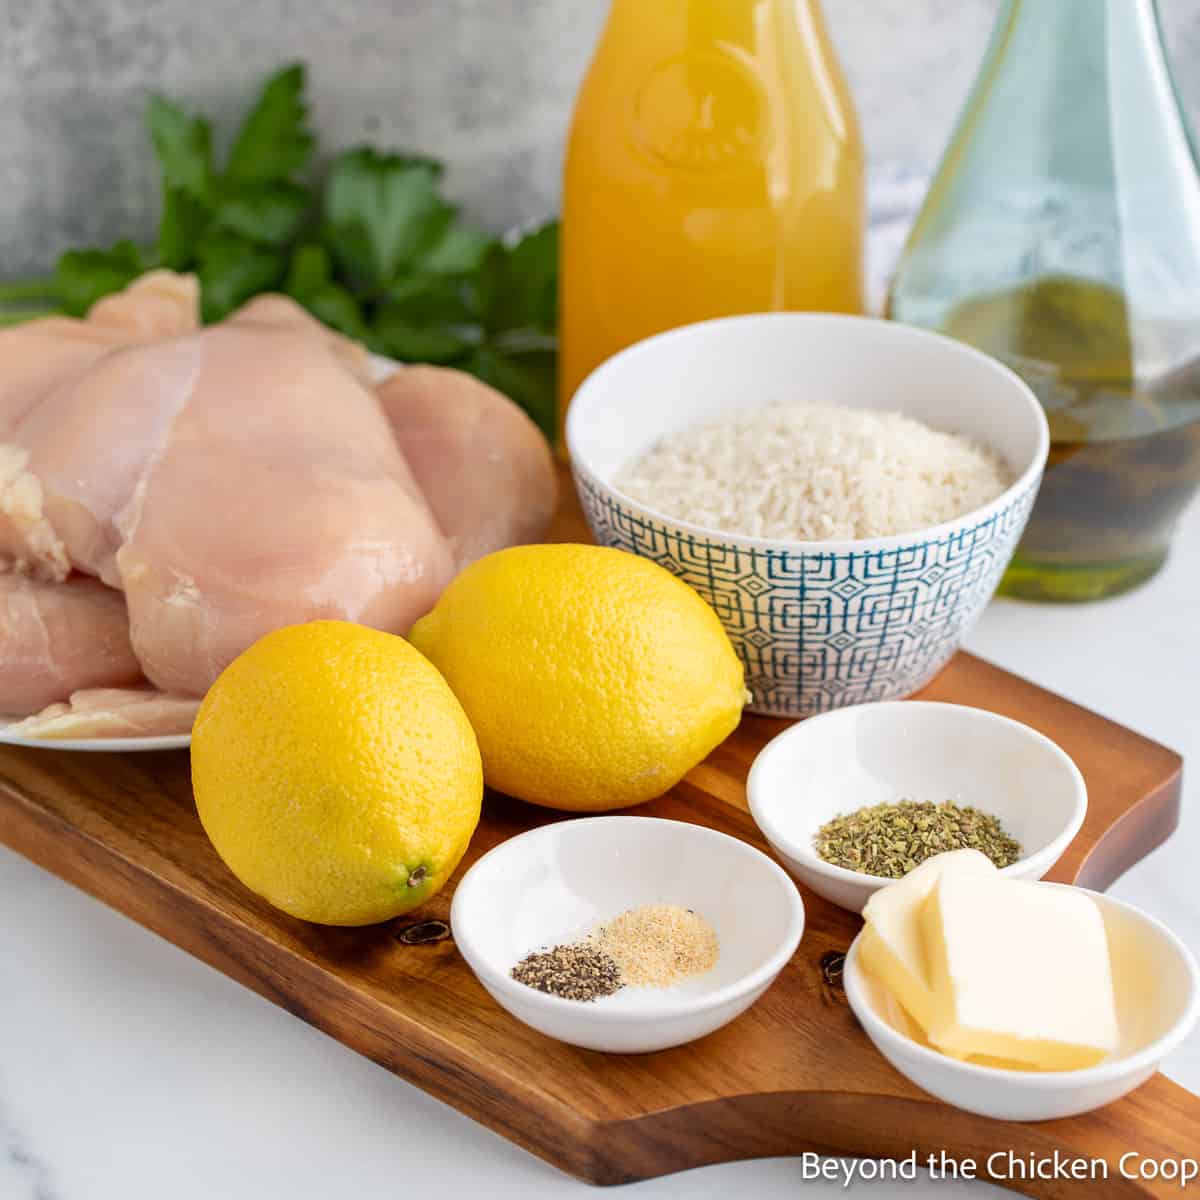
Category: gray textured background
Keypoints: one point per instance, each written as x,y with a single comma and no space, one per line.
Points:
485,84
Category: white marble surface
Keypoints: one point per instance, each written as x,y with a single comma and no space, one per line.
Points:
129,1071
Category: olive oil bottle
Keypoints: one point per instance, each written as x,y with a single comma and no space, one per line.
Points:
1062,235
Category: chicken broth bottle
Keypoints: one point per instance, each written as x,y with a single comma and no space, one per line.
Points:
714,167
1062,235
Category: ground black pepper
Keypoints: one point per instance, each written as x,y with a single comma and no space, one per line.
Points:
578,972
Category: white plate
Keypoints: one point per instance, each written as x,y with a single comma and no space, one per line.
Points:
168,741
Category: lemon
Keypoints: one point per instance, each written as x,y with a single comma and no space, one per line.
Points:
594,679
335,773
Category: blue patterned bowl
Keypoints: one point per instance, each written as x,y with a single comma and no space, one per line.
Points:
818,625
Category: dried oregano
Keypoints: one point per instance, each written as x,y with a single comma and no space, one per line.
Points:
891,839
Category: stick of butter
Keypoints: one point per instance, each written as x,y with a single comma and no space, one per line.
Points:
1020,972
893,947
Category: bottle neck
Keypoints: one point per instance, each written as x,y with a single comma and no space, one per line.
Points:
1081,27
733,9
735,20
1082,71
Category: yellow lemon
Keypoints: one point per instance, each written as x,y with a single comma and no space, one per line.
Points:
335,773
594,679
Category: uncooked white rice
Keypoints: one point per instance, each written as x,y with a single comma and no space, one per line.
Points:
814,472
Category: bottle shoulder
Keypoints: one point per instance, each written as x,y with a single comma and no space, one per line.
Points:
713,108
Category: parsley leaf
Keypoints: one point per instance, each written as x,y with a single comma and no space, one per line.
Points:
183,144
380,255
274,141
233,227
460,252
427,318
271,213
83,276
520,282
495,320
183,221
310,282
231,270
383,213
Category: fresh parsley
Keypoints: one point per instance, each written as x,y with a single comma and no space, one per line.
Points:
372,248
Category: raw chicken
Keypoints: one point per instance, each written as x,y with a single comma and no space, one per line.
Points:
484,467
28,542
37,355
275,312
112,713
158,304
42,359
276,495
231,481
56,638
86,446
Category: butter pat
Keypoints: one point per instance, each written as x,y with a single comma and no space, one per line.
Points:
893,947
1020,972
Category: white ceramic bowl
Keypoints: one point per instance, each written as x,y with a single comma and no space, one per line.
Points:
1158,1004
911,750
817,624
554,883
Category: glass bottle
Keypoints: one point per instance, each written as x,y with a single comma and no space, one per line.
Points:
1062,235
714,166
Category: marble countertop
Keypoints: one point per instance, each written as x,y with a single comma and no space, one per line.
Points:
129,1071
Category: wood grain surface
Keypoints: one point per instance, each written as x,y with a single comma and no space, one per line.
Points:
795,1073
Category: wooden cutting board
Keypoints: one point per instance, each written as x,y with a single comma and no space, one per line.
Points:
793,1074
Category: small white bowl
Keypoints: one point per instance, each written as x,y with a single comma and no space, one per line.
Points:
818,625
1158,1004
559,881
911,750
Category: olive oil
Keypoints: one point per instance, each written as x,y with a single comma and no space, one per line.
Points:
1125,452
1061,234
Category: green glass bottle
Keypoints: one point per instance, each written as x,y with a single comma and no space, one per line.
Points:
1062,235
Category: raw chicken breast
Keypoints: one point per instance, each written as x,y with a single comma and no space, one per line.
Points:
275,312
85,447
159,304
28,542
112,713
44,359
37,355
482,464
56,638
276,496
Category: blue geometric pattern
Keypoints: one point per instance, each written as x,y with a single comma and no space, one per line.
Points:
818,631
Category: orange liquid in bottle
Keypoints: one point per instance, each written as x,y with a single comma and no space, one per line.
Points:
714,166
